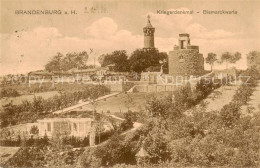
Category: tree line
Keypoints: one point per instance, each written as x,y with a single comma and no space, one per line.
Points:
138,60
59,62
231,58
226,57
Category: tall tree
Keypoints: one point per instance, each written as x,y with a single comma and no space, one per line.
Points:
101,59
55,63
71,60
228,57
253,59
211,59
140,60
118,58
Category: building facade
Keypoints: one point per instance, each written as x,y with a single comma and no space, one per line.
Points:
78,127
185,59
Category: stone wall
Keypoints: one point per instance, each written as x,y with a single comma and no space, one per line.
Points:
186,62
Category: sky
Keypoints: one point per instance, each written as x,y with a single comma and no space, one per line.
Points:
29,41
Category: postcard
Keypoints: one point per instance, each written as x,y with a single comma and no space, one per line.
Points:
119,83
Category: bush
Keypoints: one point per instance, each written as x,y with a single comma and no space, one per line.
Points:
130,118
9,92
230,114
184,97
242,95
40,108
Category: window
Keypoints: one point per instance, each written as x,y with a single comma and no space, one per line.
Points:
75,127
49,127
181,60
181,57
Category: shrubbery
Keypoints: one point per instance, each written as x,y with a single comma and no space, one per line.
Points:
8,92
185,97
47,87
220,138
40,108
42,152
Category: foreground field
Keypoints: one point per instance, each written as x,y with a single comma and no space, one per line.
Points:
29,97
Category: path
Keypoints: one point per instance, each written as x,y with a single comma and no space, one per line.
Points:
6,153
218,98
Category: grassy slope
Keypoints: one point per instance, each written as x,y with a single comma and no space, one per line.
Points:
118,103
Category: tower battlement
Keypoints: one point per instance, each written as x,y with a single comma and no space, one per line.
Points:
184,42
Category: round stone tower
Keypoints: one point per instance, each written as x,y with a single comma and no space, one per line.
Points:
185,59
149,36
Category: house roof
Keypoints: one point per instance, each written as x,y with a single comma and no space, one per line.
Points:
61,73
65,119
40,73
75,70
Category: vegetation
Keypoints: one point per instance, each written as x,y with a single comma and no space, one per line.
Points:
118,58
211,59
44,152
253,56
39,108
185,98
59,150
8,93
60,62
222,138
47,87
228,57
140,60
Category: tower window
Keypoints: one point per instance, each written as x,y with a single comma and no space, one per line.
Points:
181,57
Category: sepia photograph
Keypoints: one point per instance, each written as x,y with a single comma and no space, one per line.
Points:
129,83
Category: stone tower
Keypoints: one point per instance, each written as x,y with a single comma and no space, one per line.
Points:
149,36
185,59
